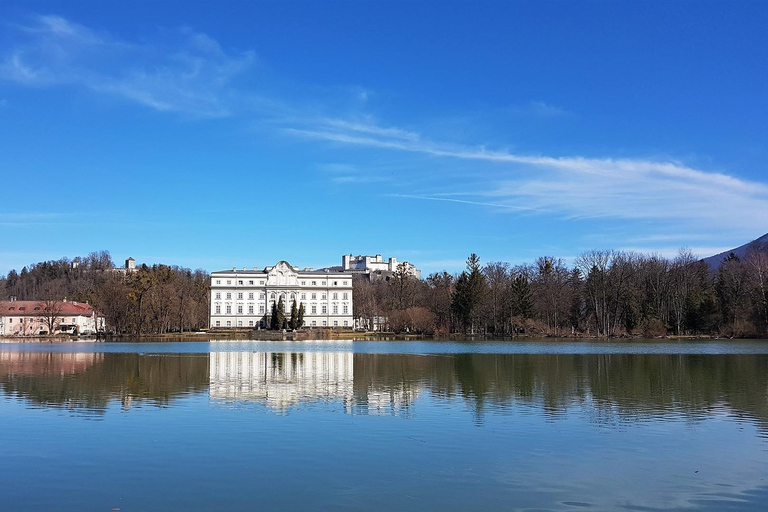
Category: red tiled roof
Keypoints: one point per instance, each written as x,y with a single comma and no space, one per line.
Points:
27,308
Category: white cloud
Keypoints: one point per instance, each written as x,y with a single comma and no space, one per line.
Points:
578,187
190,73
545,110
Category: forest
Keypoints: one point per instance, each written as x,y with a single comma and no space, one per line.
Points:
156,299
602,294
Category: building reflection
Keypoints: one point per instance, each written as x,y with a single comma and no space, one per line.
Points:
281,380
46,363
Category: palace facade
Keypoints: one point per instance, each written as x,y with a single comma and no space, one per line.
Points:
244,298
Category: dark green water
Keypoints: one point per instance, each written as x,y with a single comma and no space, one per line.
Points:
384,426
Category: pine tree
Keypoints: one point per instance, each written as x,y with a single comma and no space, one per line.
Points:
468,295
273,318
280,315
293,322
300,317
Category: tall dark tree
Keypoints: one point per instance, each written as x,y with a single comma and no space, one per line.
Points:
273,319
468,295
294,320
300,317
280,313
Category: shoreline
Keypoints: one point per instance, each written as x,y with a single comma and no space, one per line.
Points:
329,334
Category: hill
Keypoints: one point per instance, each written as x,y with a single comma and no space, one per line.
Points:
760,244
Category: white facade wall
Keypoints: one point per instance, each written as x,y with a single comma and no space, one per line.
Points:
376,263
280,380
244,298
31,325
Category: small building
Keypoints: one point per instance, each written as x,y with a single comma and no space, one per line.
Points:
38,318
376,265
244,298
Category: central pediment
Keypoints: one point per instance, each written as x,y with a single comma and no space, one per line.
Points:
282,274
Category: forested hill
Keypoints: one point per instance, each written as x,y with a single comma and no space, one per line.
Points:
760,244
156,299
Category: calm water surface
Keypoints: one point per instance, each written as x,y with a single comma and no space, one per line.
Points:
334,425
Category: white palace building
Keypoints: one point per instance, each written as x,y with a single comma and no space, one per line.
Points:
244,298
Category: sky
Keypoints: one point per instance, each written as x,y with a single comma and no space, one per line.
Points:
237,134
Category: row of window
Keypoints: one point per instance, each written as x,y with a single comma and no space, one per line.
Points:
251,282
312,309
273,296
262,324
21,319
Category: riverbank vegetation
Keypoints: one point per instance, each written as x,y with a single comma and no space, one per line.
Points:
602,294
149,299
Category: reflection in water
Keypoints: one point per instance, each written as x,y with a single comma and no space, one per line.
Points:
88,382
484,431
280,380
610,388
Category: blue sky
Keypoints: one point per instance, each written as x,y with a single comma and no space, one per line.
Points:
243,133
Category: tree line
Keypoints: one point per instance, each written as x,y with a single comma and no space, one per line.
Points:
153,299
603,293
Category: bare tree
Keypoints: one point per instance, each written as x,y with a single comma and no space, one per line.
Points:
50,314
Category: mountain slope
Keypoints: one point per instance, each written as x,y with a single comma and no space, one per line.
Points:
760,244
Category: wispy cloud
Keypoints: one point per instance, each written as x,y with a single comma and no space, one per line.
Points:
544,109
578,187
189,73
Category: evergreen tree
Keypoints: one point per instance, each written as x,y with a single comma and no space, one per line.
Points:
300,317
280,314
293,322
468,295
273,318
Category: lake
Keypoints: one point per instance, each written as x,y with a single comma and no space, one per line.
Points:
373,425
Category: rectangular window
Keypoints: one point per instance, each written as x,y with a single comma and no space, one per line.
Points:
303,283
218,281
218,295
250,323
218,323
239,323
314,323
345,323
346,309
335,283
229,295
335,323
240,296
261,282
335,309
250,296
250,309
303,296
250,282
229,281
261,309
325,323
261,295
335,296
218,309
314,309
314,283
324,296
239,310
325,309
229,323
314,296
229,309
345,296
240,282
